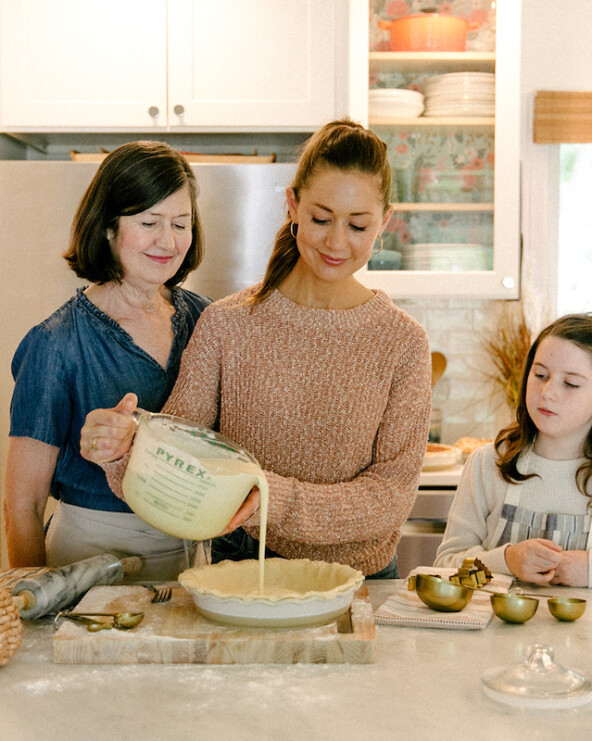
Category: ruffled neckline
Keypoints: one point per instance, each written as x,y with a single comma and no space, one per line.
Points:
176,297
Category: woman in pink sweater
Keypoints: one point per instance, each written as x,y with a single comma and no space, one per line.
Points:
323,380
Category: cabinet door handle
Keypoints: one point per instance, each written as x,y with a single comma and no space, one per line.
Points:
179,110
153,111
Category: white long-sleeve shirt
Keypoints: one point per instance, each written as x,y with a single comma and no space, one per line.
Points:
477,506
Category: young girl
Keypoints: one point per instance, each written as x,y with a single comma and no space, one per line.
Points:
523,503
323,380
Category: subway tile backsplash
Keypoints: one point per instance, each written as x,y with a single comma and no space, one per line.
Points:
466,397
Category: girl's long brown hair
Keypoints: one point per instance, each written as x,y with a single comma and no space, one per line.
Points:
512,440
344,145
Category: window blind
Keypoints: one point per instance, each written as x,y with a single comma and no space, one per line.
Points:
562,116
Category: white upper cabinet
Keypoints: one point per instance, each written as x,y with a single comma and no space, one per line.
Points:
251,62
173,64
71,64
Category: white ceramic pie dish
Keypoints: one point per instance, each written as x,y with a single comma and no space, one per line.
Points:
299,592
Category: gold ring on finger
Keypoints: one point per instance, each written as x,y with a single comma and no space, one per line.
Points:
93,445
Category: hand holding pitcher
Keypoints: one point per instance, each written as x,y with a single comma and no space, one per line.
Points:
183,479
107,434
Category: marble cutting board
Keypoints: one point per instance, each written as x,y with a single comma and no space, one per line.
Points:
175,633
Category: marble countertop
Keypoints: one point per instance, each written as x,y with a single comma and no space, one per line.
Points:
425,684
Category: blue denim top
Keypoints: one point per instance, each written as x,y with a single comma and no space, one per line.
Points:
80,359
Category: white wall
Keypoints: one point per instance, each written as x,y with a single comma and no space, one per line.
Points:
555,56
34,279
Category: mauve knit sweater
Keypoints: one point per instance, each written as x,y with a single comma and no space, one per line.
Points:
335,406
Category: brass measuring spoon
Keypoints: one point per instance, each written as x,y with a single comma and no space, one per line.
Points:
513,591
121,620
93,626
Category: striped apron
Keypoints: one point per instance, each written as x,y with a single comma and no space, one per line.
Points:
571,532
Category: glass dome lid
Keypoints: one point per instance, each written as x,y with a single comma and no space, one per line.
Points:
537,682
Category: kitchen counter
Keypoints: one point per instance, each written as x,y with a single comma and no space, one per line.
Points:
425,684
444,477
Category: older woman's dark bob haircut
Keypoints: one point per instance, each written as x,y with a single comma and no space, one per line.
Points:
131,179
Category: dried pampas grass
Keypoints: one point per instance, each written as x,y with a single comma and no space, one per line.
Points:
507,347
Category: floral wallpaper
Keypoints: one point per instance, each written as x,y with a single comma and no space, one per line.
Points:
446,166
446,227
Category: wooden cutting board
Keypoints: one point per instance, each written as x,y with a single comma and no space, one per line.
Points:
175,633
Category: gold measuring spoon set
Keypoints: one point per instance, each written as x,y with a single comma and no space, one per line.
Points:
119,620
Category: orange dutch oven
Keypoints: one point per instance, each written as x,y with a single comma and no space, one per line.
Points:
427,32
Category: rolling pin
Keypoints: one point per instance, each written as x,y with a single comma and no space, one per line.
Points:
36,596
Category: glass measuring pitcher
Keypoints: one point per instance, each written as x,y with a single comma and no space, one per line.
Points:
186,480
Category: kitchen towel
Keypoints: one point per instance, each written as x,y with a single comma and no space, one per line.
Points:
405,608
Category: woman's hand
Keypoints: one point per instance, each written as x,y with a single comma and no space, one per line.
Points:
107,434
247,508
572,570
534,560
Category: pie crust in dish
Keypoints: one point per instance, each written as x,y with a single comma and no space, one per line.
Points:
298,592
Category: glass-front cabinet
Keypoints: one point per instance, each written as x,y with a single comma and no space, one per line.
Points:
451,123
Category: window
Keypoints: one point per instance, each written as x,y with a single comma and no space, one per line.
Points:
575,229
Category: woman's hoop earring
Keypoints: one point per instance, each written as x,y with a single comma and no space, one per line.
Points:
379,250
292,225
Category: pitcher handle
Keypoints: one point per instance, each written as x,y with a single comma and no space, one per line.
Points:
138,413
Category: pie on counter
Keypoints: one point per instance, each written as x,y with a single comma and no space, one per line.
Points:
468,444
440,456
298,592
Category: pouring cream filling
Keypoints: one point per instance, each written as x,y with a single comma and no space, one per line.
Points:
229,467
282,579
189,496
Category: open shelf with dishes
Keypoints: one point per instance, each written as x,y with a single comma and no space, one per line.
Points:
455,189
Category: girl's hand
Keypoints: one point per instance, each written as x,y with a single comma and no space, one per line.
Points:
534,560
247,508
572,570
107,434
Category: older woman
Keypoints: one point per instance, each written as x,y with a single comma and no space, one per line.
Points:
135,237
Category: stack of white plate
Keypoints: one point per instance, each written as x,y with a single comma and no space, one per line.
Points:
394,102
448,257
460,94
